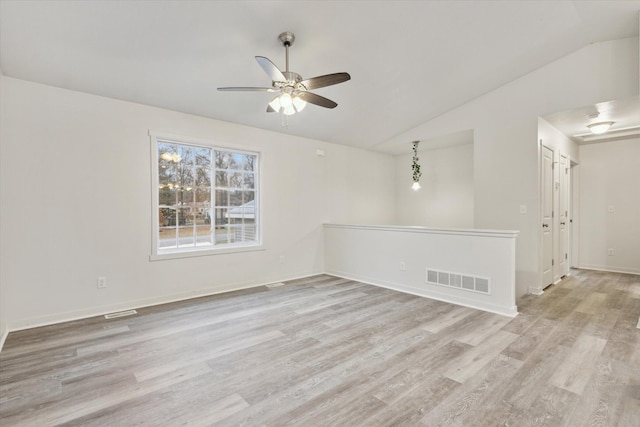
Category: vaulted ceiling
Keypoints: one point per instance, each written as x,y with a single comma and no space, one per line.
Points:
409,61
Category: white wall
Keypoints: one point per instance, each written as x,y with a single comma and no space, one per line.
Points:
610,177
557,141
505,125
446,197
398,258
76,204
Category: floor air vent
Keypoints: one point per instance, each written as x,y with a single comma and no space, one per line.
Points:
120,314
275,285
457,280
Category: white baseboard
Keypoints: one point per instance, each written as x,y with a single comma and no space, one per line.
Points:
536,291
56,318
504,311
608,269
3,338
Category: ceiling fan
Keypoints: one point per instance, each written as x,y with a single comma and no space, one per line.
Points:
294,91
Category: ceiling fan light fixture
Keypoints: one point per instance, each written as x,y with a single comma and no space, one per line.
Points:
275,104
285,100
294,90
600,127
299,103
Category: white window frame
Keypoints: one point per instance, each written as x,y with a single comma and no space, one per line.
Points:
189,252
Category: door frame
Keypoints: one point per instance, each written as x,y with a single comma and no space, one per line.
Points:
564,199
574,214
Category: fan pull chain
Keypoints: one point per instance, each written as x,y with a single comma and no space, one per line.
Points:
285,121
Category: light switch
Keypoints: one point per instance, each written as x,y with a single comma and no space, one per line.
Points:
611,209
523,209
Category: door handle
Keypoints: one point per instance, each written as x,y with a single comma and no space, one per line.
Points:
545,225
562,223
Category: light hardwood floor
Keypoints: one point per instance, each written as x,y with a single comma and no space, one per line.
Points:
324,351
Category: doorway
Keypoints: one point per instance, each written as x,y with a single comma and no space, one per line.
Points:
555,194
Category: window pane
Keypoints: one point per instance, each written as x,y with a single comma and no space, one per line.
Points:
221,179
185,226
204,235
167,153
202,219
186,154
249,181
220,227
250,161
167,229
240,161
203,176
244,232
188,217
235,198
202,156
220,218
185,176
235,180
222,159
222,198
249,196
203,201
166,195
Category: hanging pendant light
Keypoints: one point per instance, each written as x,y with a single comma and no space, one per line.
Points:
415,167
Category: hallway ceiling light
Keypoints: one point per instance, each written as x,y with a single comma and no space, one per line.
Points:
600,127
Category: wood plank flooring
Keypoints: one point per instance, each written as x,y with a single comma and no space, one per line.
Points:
324,351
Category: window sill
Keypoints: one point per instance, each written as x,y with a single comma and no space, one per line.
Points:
206,252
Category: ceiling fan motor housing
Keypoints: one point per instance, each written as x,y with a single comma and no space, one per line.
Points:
287,38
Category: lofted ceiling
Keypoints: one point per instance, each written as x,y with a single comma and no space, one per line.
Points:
410,61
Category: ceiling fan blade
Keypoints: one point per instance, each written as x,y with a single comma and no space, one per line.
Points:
248,89
312,98
270,68
326,80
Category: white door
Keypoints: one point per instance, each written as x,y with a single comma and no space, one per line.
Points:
546,173
563,217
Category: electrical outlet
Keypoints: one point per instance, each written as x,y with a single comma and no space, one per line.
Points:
610,252
102,282
611,209
282,259
403,266
523,209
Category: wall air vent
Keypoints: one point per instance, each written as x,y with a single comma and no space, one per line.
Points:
467,282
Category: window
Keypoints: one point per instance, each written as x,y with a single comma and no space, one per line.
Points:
206,197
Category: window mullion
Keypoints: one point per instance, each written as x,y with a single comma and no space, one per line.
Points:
212,196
